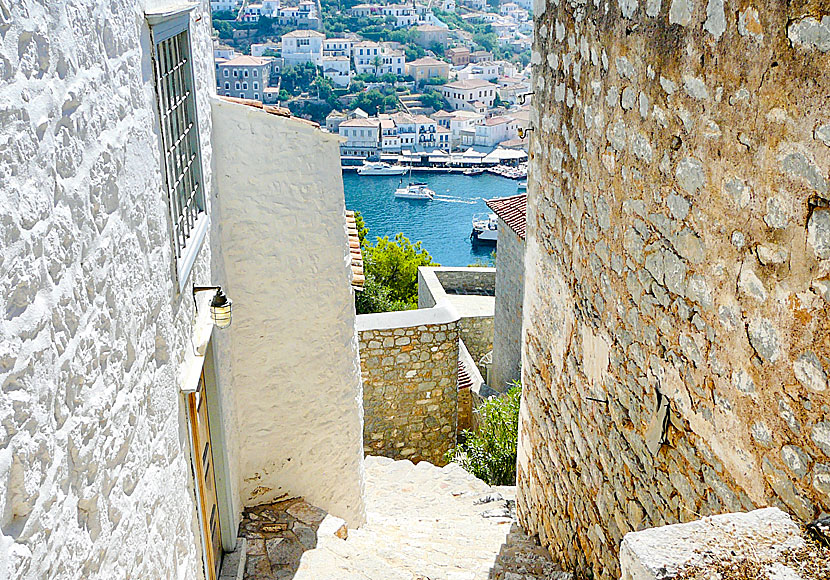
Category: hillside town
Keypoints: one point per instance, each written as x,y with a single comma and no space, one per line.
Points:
434,78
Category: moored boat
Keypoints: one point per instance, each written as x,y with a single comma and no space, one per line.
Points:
380,168
485,229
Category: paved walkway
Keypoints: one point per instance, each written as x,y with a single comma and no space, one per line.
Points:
429,523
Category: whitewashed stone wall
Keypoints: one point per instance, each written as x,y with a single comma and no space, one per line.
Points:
95,473
676,307
507,319
293,348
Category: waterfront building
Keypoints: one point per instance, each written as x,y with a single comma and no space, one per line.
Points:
362,137
495,130
461,125
427,68
244,77
471,94
299,46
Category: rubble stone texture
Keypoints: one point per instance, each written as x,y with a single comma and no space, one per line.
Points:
94,333
676,254
410,383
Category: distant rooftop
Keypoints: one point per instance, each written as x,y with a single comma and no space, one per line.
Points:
469,84
246,60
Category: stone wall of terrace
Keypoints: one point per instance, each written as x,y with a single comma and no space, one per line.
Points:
409,364
471,291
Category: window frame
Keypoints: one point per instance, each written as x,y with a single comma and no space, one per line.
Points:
188,216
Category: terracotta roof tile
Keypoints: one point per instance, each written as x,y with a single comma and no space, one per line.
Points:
513,210
358,277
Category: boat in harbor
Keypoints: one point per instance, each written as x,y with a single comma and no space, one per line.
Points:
485,229
415,191
522,186
380,168
473,171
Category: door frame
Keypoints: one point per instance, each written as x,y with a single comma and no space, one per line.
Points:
206,376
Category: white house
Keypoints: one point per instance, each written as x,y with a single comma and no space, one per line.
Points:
258,49
488,71
461,124
338,47
271,8
495,130
244,77
362,137
378,58
403,14
338,69
225,5
251,13
141,411
469,94
299,46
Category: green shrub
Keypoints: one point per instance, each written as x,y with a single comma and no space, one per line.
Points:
490,452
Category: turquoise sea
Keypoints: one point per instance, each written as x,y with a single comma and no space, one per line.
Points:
443,225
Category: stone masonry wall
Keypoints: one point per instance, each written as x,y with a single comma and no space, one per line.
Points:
676,309
410,380
507,320
477,334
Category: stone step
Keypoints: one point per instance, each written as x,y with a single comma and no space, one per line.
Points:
428,523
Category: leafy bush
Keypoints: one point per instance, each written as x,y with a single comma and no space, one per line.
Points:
391,270
490,452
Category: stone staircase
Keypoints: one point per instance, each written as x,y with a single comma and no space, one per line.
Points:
428,523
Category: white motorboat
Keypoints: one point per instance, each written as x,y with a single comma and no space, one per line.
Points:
473,171
415,191
485,229
380,168
522,186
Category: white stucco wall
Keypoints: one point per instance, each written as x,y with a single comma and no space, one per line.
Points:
95,479
292,344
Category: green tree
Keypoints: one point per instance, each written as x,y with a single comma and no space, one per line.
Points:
497,102
394,264
490,452
434,99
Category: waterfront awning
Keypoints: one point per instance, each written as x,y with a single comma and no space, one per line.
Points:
500,154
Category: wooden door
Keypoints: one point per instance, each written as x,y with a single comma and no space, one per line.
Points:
205,480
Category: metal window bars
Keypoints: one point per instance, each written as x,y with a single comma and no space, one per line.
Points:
179,136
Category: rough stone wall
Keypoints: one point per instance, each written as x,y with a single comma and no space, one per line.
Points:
93,331
677,268
477,334
507,320
467,280
295,365
410,381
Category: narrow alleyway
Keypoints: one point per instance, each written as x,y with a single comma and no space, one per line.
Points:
423,523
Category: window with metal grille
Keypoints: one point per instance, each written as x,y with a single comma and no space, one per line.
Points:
179,130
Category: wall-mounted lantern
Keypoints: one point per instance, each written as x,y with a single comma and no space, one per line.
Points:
220,305
524,132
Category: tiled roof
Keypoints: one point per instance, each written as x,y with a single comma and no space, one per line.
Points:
427,61
272,109
513,210
246,60
469,84
303,34
358,277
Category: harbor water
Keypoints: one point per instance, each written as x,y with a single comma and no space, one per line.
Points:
442,225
